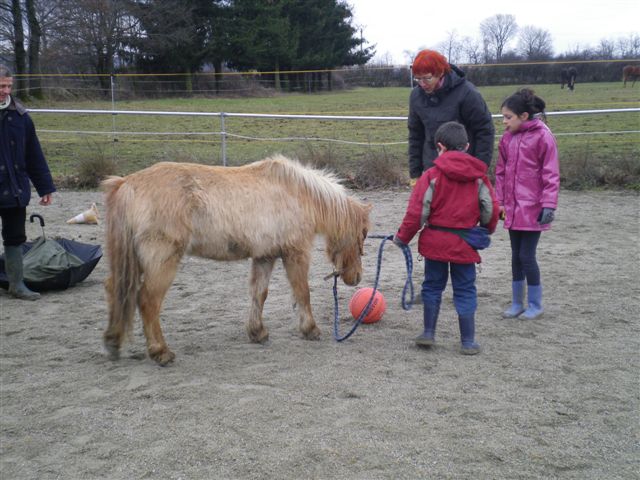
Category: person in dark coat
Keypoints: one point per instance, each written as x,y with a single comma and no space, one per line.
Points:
443,94
452,197
21,163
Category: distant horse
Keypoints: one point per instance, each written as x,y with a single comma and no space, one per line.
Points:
630,72
568,76
266,210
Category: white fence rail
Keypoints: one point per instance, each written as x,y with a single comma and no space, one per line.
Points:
224,134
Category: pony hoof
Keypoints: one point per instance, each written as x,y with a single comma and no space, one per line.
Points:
314,334
260,337
162,357
112,350
166,358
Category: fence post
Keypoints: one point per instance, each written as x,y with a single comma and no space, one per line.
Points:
113,118
223,135
113,105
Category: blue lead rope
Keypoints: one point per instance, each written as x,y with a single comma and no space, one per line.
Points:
408,287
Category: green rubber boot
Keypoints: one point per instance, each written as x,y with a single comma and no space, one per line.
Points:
13,266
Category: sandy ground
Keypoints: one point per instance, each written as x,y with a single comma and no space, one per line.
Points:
552,398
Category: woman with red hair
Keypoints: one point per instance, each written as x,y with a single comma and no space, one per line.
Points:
443,94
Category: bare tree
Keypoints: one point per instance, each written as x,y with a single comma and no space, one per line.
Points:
496,32
472,50
606,49
20,54
21,24
49,17
6,29
410,55
452,47
629,47
35,35
94,31
535,43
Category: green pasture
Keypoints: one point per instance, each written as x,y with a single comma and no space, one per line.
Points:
592,151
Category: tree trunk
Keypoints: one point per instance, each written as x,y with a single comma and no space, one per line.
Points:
276,77
217,67
104,72
188,83
35,34
21,56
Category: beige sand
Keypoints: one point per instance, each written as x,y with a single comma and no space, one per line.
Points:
552,398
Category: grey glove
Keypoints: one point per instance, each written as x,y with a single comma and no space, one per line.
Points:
398,242
546,216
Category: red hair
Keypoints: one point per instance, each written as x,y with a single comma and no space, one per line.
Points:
430,62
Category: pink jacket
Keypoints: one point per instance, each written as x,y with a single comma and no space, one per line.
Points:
527,175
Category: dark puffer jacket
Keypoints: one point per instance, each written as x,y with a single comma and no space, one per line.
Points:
457,100
21,159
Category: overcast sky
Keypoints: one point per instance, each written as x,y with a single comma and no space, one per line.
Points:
399,25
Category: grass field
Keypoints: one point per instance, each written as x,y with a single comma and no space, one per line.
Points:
589,157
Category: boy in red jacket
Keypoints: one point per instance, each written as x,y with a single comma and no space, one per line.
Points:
448,201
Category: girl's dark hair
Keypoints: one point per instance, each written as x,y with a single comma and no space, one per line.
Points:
525,100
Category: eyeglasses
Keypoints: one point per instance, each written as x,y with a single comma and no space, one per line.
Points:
429,79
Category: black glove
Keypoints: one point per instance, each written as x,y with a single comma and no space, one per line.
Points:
399,242
546,216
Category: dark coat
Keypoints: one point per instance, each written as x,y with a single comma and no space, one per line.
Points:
21,159
457,100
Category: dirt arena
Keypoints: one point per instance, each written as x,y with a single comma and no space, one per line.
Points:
553,398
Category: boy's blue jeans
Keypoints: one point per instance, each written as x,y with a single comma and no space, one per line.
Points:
463,281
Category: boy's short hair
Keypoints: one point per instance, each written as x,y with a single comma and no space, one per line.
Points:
452,135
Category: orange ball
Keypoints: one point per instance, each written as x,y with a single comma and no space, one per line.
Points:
359,301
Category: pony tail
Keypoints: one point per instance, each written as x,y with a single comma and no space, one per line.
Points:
124,281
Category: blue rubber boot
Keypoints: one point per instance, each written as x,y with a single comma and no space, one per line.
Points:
534,310
468,346
430,314
517,300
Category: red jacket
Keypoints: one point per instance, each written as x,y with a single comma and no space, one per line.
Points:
454,193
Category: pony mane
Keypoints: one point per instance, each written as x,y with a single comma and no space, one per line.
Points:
322,183
322,187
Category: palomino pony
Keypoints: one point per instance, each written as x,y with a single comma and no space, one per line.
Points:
266,210
630,72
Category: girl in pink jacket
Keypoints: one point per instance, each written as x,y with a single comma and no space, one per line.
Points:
527,185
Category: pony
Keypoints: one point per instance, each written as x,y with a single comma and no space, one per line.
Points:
269,209
630,72
568,76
